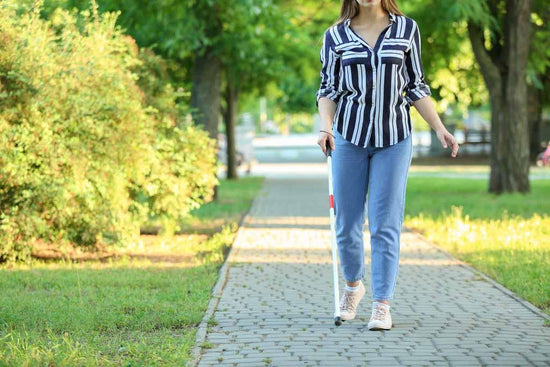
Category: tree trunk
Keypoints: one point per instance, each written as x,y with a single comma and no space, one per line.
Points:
205,92
504,72
230,118
516,124
205,95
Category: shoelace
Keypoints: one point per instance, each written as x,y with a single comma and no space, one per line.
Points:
379,313
347,301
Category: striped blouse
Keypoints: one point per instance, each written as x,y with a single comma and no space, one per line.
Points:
368,84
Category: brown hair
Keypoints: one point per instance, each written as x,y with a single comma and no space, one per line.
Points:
350,8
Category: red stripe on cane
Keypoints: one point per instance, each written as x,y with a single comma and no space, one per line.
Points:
331,201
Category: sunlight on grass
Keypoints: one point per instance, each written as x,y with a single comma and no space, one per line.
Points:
507,237
512,233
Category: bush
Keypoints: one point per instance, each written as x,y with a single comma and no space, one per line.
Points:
90,146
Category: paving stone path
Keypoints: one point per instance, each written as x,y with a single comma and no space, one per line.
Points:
274,302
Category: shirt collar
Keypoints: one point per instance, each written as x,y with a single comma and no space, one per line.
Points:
392,18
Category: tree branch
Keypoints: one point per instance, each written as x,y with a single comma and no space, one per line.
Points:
496,46
488,68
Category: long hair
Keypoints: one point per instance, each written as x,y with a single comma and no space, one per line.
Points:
350,8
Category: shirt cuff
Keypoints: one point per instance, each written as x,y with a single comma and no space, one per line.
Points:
332,95
418,92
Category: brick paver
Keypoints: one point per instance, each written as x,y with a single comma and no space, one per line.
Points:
276,308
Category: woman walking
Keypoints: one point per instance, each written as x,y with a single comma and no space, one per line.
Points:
370,77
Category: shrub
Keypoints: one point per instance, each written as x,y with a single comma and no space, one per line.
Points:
87,155
182,175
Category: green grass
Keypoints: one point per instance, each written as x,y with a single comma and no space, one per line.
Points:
236,195
433,196
506,237
124,311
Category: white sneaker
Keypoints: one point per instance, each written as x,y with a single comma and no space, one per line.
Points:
381,317
349,302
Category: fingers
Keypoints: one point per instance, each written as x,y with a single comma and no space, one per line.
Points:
453,142
331,142
323,143
455,149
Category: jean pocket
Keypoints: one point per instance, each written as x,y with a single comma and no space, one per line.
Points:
338,138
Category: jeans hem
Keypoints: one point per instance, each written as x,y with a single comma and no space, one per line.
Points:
386,298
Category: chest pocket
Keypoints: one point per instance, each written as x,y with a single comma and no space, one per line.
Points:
353,53
393,51
350,45
353,58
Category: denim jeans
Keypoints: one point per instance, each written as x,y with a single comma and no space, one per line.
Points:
382,173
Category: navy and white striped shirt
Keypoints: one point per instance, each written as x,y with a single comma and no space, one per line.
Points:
373,89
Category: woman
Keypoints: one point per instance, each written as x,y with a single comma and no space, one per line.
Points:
370,57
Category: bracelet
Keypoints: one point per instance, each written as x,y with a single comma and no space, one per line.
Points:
327,132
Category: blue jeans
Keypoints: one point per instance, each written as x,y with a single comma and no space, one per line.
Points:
382,173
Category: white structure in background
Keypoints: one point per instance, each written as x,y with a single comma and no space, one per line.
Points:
244,134
271,128
263,113
476,128
244,137
316,123
476,133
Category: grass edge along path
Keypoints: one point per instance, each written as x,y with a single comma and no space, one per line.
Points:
125,311
505,237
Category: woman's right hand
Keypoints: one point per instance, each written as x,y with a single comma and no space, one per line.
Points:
322,141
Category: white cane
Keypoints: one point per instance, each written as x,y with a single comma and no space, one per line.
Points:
337,318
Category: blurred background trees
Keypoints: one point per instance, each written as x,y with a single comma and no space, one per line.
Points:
111,111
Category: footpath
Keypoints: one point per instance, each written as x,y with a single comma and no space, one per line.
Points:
273,303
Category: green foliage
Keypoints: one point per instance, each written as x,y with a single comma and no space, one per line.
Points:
447,56
539,55
491,16
86,154
182,175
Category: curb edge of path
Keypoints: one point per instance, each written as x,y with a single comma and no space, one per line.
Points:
490,280
218,288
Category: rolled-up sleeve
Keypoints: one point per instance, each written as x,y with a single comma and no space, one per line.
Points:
330,70
416,87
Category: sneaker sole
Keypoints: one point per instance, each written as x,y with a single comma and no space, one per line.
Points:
380,328
353,318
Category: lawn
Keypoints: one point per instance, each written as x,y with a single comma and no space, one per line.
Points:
506,237
142,305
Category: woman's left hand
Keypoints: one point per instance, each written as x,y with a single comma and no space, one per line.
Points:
446,138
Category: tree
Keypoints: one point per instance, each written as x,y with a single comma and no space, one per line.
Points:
260,45
504,66
501,37
234,46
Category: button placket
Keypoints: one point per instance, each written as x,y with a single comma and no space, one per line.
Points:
377,48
